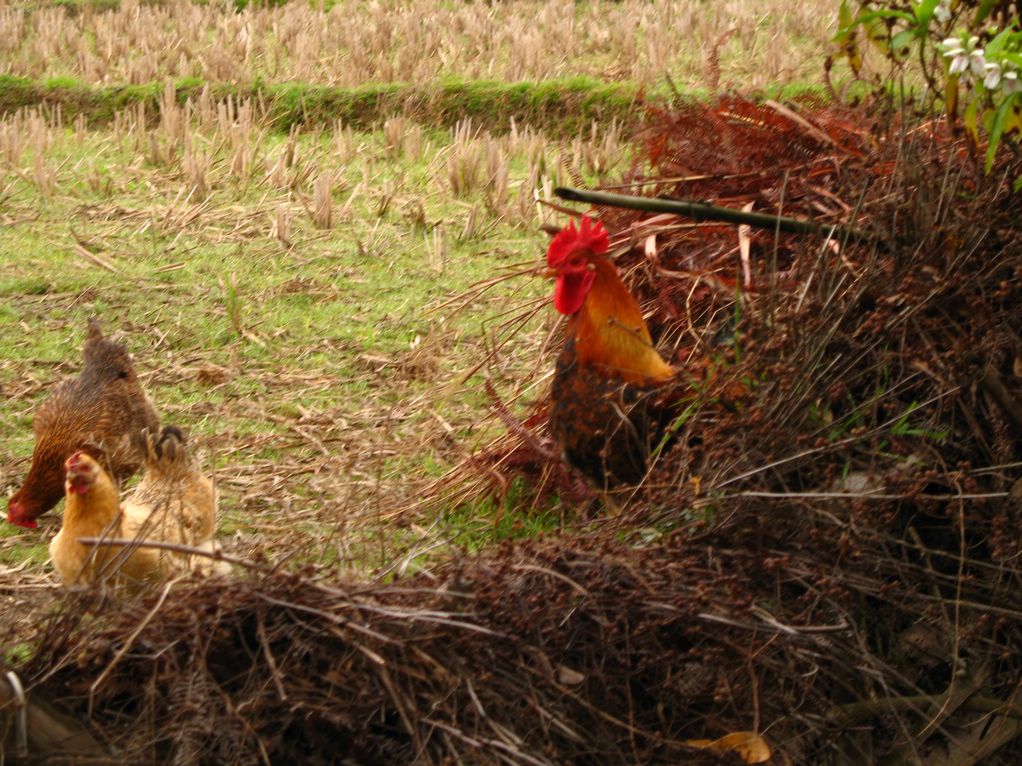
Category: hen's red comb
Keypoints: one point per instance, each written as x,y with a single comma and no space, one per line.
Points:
589,236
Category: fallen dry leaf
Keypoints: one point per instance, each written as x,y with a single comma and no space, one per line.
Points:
569,677
745,247
751,747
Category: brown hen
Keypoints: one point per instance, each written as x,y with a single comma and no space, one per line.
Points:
103,410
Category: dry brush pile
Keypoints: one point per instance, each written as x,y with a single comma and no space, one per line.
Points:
849,413
826,554
548,652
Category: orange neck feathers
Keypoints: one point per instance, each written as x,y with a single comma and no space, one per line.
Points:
610,332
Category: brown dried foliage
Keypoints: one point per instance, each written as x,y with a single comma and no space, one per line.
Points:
850,412
536,654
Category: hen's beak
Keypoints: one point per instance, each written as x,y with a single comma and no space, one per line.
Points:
548,273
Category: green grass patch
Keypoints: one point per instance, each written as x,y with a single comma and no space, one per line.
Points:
22,547
559,107
476,526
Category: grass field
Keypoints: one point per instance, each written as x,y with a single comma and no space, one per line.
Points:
296,299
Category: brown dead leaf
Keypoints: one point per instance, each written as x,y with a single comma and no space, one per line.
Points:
569,677
650,247
745,247
749,746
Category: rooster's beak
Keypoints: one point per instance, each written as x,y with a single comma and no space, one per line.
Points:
548,273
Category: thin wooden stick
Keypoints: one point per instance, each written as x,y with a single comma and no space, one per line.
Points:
176,548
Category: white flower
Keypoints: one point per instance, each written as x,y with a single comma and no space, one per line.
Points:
993,75
977,63
952,46
965,56
1011,83
960,64
943,11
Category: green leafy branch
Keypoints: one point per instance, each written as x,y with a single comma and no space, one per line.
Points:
968,52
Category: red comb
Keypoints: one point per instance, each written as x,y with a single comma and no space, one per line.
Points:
589,236
74,461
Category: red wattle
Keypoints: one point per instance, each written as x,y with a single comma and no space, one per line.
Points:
16,515
570,291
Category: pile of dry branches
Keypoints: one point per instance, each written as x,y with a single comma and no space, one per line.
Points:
565,650
850,409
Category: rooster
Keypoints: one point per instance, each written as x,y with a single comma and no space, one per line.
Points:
174,503
605,414
104,409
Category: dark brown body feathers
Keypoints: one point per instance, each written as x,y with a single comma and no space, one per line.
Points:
606,427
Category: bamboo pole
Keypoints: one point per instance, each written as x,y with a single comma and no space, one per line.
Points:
704,211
